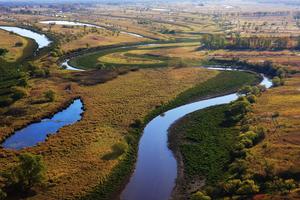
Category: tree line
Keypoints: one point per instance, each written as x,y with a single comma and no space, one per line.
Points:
238,42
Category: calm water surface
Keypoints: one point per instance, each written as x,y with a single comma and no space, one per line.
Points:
37,132
69,67
40,39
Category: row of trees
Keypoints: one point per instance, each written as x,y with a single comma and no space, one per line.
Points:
267,67
242,182
237,42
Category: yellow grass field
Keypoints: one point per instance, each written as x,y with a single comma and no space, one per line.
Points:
78,37
94,40
120,58
8,42
281,148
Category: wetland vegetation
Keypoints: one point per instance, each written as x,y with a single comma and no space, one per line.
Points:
141,62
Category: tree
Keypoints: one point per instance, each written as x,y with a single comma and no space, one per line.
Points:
53,54
245,90
248,187
28,173
256,90
281,73
237,110
3,51
251,98
200,196
277,81
238,167
290,184
251,135
50,95
231,186
240,187
281,185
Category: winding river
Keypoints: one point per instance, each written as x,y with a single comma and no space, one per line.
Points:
40,39
156,168
70,23
38,132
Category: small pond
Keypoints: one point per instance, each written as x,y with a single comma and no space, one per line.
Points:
38,132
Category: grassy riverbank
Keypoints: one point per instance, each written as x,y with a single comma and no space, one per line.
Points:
204,133
224,83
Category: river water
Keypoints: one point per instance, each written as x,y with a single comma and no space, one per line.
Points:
38,132
156,167
40,39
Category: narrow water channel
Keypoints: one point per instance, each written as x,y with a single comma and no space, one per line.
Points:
38,132
156,168
67,66
40,39
70,23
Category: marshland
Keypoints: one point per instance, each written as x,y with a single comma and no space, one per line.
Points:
149,100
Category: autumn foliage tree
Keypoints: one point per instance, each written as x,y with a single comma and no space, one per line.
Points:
28,173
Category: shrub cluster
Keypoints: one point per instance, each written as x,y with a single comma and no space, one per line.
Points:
277,81
38,72
3,51
49,95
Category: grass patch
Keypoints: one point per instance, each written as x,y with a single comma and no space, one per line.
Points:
93,60
204,133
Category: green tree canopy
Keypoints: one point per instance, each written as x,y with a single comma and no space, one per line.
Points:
28,173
